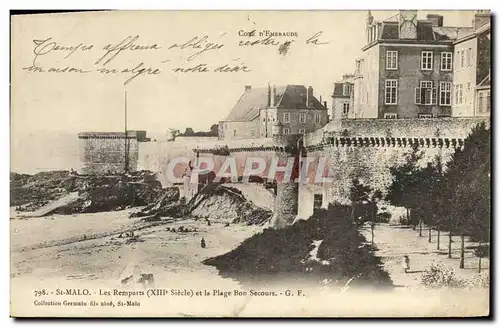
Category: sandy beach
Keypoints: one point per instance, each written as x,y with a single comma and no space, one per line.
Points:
167,255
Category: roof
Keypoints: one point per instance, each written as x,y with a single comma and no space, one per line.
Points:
425,31
338,90
452,33
111,135
485,82
287,96
471,33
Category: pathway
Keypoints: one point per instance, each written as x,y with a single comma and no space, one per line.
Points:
393,242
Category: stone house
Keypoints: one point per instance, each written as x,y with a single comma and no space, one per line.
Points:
406,70
471,71
261,111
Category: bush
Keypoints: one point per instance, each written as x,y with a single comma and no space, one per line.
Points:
439,275
482,251
479,280
403,220
384,217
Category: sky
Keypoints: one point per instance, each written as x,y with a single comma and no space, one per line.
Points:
71,102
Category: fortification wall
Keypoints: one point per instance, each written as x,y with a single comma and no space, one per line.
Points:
354,148
367,148
408,128
100,155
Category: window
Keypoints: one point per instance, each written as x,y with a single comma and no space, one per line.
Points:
302,131
424,115
426,60
445,94
345,108
302,117
468,57
446,60
286,117
426,94
390,116
392,60
462,54
318,118
391,91
347,89
286,131
483,101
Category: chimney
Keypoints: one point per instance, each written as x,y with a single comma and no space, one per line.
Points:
324,103
273,96
436,20
248,87
408,24
481,18
309,97
320,99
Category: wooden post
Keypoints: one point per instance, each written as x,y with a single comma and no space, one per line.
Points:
438,237
449,243
462,251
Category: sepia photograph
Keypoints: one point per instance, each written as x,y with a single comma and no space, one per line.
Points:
244,164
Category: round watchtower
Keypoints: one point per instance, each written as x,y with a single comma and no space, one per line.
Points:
287,148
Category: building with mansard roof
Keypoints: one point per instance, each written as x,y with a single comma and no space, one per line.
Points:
259,112
406,70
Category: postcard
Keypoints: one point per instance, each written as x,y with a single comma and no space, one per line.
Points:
250,164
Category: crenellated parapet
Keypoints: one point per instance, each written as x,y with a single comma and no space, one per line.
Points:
404,142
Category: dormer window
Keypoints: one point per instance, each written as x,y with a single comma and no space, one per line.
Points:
347,90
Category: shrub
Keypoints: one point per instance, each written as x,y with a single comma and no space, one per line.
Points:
439,275
482,251
384,217
403,220
479,280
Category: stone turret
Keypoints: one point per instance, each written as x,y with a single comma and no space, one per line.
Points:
286,204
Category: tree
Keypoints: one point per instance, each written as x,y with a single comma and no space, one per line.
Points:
189,131
427,195
482,251
359,194
466,189
404,184
214,130
469,177
374,199
364,203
